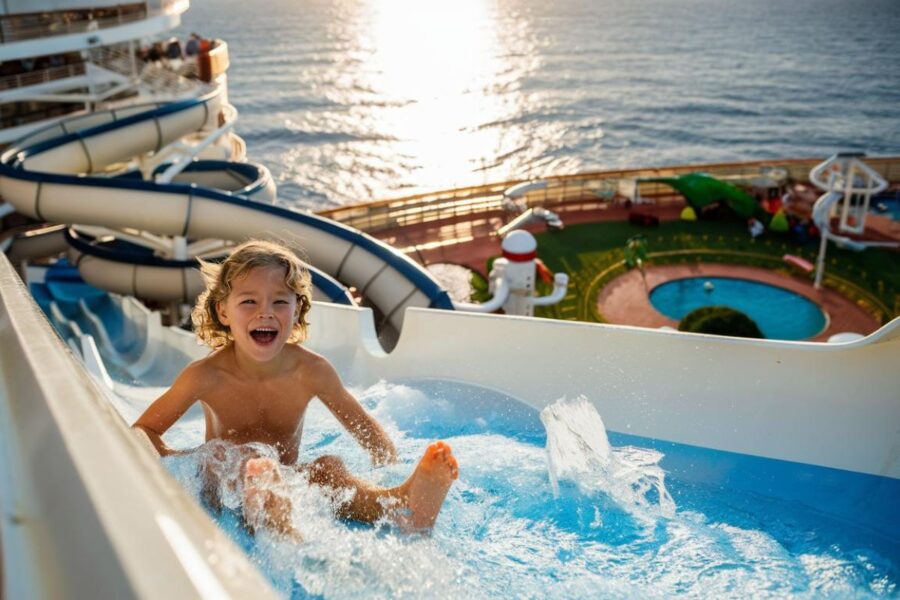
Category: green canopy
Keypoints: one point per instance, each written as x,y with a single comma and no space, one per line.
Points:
701,190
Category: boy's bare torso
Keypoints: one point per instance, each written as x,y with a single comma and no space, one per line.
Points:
268,409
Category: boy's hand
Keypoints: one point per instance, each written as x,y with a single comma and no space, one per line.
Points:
350,413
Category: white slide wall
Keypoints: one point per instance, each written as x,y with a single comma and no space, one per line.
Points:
833,405
88,511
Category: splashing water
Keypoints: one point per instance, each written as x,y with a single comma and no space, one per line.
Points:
578,450
598,523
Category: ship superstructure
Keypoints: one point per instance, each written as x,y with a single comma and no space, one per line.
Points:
60,58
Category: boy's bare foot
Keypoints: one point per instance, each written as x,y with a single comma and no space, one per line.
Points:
263,506
428,486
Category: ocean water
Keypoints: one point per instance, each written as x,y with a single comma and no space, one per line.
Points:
361,99
549,506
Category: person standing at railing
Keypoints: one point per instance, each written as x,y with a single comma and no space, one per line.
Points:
173,50
155,54
192,47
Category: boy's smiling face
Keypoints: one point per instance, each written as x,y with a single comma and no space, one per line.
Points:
260,311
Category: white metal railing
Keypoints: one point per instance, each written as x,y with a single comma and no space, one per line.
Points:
562,193
11,82
63,22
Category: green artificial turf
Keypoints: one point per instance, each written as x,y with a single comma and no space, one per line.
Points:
592,254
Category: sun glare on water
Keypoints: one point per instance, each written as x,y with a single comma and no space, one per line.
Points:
436,66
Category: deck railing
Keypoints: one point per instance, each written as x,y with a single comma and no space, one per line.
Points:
584,191
29,26
11,82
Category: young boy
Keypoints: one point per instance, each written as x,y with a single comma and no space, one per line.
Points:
257,383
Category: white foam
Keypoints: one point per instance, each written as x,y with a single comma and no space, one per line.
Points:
578,450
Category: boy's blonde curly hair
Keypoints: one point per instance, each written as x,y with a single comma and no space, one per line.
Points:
220,277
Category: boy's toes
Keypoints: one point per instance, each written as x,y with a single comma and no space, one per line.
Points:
454,466
435,450
440,453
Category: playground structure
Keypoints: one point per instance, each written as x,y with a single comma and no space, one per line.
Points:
513,204
849,185
704,191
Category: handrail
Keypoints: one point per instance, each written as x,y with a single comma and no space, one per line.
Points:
841,167
561,191
61,23
20,80
159,77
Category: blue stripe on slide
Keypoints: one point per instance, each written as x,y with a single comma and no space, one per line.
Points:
155,113
251,171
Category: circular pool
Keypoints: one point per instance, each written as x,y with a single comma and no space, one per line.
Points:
779,313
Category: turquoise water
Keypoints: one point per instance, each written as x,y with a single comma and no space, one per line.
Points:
362,99
779,313
529,518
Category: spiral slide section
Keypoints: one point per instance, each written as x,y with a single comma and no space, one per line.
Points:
821,216
48,176
244,179
133,270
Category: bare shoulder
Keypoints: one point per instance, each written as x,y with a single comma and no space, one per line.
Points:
311,365
202,373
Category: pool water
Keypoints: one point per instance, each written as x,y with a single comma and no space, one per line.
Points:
547,506
779,313
886,206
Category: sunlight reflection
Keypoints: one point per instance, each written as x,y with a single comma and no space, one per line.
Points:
435,64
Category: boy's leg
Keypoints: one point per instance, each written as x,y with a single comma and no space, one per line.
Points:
263,505
216,470
421,495
210,471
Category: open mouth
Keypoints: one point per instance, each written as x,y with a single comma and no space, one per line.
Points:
264,335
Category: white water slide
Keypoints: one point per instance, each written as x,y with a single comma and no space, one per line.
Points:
56,175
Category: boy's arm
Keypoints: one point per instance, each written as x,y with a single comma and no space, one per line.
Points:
167,409
353,416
